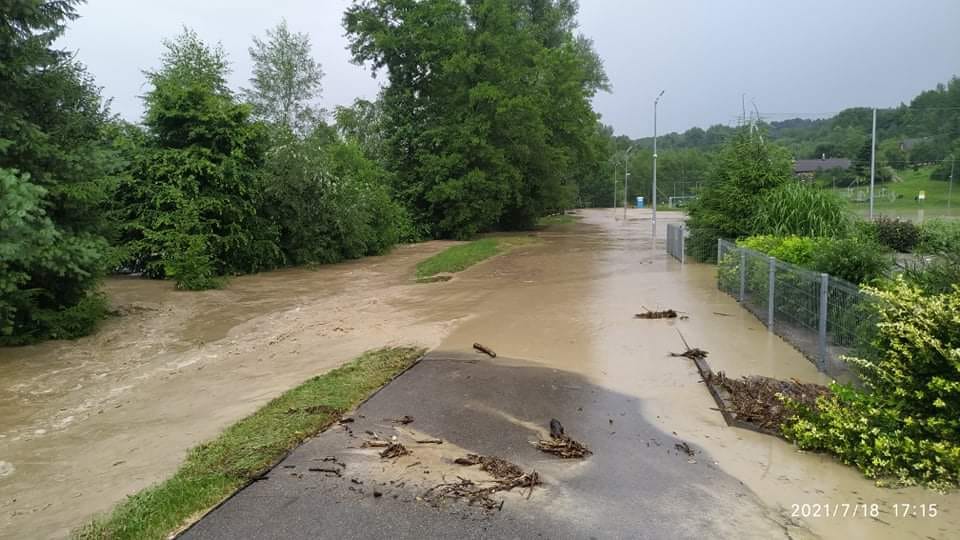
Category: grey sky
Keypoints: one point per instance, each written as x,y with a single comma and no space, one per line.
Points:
787,56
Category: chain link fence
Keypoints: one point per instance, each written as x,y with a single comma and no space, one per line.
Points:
822,316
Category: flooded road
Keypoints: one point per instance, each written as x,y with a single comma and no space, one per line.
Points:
85,423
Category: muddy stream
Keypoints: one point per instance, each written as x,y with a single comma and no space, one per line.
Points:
85,423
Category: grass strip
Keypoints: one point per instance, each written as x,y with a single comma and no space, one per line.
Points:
458,258
245,450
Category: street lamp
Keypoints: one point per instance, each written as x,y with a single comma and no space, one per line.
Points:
626,176
654,198
615,165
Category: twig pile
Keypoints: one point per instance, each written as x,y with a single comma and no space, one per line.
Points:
475,494
394,450
563,446
759,400
497,467
693,354
665,314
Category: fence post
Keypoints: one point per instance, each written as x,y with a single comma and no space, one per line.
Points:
743,274
824,288
770,291
719,249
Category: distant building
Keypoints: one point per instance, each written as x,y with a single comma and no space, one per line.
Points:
807,168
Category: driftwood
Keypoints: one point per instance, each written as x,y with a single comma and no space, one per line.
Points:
497,467
394,450
665,314
474,493
693,354
405,419
560,444
758,401
485,350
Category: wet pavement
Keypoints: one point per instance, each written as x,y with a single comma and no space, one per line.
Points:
637,484
85,423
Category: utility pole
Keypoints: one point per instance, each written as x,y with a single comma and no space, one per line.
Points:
626,176
654,198
873,160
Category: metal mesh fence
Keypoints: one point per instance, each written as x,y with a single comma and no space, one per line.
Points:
676,234
822,316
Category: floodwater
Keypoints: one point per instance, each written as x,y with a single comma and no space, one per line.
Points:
85,423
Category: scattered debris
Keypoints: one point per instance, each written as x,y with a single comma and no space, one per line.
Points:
428,441
347,420
475,494
497,467
414,464
758,401
682,446
435,278
693,354
665,314
394,450
560,444
327,470
485,350
722,314
405,419
375,443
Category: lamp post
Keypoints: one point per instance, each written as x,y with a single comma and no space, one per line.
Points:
626,176
615,165
654,198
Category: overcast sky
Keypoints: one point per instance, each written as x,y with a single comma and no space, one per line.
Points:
787,56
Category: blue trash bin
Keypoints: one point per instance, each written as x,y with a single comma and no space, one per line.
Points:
639,202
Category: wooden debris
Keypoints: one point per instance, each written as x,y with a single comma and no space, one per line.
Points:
682,446
394,450
560,444
428,441
693,354
758,401
665,314
497,467
485,350
405,419
475,494
325,470
375,443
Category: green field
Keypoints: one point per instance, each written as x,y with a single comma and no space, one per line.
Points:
899,198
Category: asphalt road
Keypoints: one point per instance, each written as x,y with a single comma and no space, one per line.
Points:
637,483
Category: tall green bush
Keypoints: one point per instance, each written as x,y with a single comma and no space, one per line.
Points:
857,260
802,209
746,168
897,234
904,424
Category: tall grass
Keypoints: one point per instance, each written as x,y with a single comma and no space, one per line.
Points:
801,209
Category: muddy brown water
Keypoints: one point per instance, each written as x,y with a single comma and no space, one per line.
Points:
85,423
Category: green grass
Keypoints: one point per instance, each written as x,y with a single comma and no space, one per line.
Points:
458,258
245,450
556,219
912,183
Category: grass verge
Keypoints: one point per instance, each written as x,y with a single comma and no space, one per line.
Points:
248,448
458,258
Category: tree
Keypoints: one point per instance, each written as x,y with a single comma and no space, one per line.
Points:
57,173
286,80
487,119
189,203
746,168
